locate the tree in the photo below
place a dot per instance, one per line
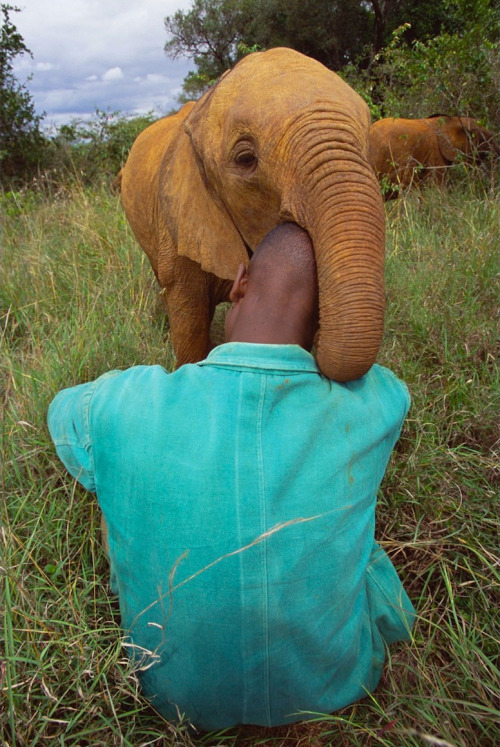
(433, 39)
(209, 33)
(335, 33)
(454, 72)
(217, 33)
(430, 18)
(20, 138)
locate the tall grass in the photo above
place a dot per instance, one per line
(77, 299)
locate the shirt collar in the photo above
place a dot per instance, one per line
(262, 357)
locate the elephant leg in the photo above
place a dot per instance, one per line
(221, 291)
(440, 176)
(434, 175)
(190, 320)
(191, 296)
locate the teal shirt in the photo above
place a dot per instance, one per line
(239, 495)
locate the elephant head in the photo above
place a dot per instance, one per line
(278, 138)
(462, 136)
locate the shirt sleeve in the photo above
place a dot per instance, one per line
(69, 426)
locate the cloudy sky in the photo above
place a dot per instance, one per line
(98, 54)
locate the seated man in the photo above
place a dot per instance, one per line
(239, 495)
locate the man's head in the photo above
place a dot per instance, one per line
(275, 300)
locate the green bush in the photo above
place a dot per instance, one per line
(448, 74)
(92, 150)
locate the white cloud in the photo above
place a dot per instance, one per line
(156, 78)
(114, 73)
(43, 67)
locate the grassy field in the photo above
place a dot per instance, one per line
(78, 298)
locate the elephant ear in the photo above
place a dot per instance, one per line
(447, 150)
(196, 218)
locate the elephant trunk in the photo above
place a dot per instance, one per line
(340, 205)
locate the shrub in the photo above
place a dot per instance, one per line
(95, 149)
(449, 74)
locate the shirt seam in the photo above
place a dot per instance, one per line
(240, 541)
(272, 368)
(86, 405)
(399, 611)
(265, 590)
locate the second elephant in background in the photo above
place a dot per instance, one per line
(403, 152)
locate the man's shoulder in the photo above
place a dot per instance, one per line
(381, 374)
(377, 397)
(140, 375)
(382, 384)
(134, 382)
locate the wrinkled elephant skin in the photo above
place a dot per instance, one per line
(407, 151)
(278, 138)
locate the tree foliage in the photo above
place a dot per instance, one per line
(21, 141)
(335, 33)
(452, 73)
(406, 57)
(215, 33)
(209, 33)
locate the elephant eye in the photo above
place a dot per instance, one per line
(245, 159)
(244, 155)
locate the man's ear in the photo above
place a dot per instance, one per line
(240, 284)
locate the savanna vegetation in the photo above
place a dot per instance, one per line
(78, 297)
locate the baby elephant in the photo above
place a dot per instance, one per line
(406, 151)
